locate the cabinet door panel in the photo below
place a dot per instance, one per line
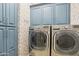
(61, 16)
(47, 19)
(8, 13)
(11, 14)
(2, 38)
(11, 39)
(36, 16)
(3, 11)
(2, 14)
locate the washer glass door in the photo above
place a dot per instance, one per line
(39, 40)
(66, 42)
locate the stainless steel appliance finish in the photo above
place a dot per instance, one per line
(65, 40)
(39, 41)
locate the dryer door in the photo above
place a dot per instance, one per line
(66, 42)
(39, 40)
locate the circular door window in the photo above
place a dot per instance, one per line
(39, 40)
(66, 42)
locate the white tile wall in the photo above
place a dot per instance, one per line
(74, 13)
(24, 14)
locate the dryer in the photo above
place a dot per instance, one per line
(65, 40)
(39, 41)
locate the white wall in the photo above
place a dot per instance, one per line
(74, 13)
(24, 21)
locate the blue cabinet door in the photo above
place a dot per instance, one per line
(47, 14)
(2, 14)
(2, 41)
(61, 14)
(36, 16)
(8, 35)
(11, 41)
(11, 14)
(1, 21)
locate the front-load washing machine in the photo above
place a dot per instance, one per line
(65, 40)
(39, 41)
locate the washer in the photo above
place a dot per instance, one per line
(39, 41)
(65, 40)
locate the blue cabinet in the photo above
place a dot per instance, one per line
(50, 14)
(2, 40)
(61, 14)
(1, 21)
(47, 14)
(36, 16)
(8, 41)
(8, 29)
(11, 14)
(8, 14)
(11, 41)
(2, 14)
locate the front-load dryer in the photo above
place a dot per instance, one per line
(65, 40)
(39, 41)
